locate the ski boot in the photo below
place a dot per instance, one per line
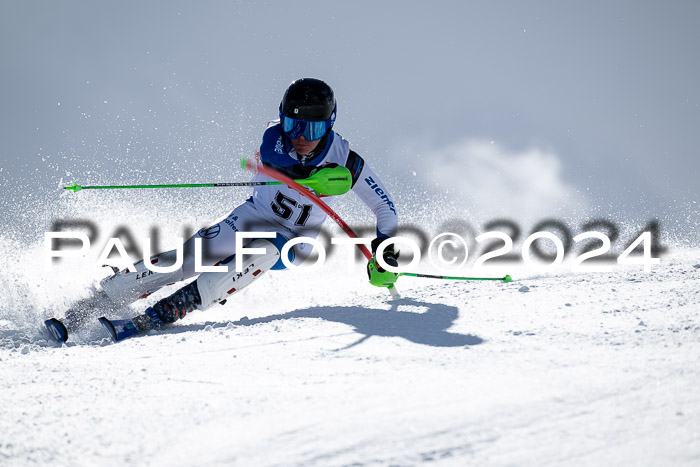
(166, 311)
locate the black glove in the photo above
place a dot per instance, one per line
(390, 254)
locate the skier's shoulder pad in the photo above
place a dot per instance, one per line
(354, 164)
(272, 150)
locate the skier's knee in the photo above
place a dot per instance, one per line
(127, 286)
(214, 287)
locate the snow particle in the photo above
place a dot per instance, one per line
(524, 289)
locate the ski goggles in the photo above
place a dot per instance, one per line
(311, 131)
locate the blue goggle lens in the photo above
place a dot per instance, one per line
(311, 130)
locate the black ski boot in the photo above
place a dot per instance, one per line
(166, 311)
(174, 307)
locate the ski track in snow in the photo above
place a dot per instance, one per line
(574, 369)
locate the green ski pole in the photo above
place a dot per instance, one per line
(327, 181)
(77, 187)
(506, 278)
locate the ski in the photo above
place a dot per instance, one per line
(120, 329)
(57, 330)
(80, 313)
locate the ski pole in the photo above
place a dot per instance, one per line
(506, 278)
(77, 187)
(329, 181)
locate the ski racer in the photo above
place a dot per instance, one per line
(300, 143)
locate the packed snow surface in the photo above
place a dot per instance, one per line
(322, 369)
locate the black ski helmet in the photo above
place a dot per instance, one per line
(308, 99)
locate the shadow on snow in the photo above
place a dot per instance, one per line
(427, 328)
